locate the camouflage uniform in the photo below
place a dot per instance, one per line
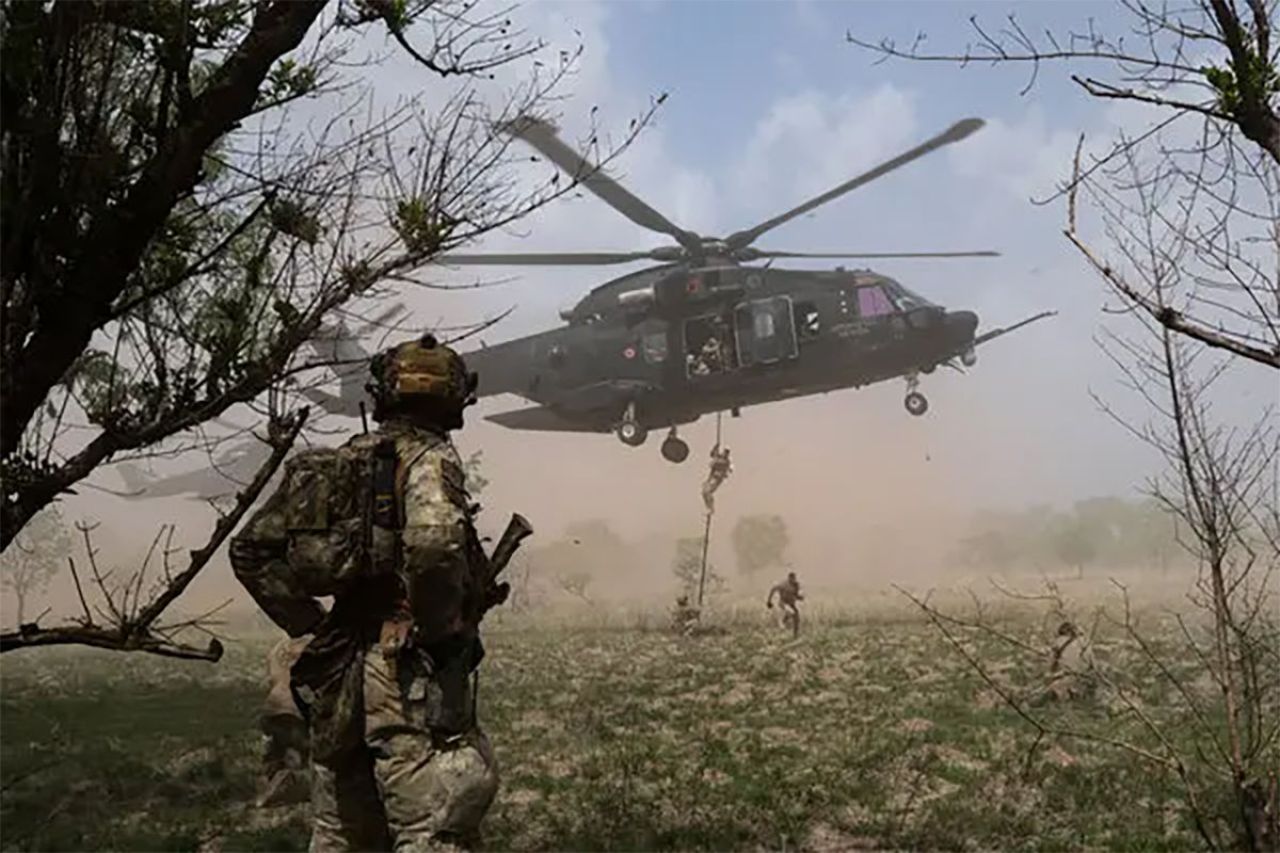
(398, 761)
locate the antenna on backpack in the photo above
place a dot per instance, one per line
(364, 421)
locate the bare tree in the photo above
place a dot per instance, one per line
(35, 558)
(1221, 483)
(1189, 209)
(759, 542)
(575, 582)
(175, 228)
(686, 566)
(1218, 131)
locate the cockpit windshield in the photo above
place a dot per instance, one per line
(904, 299)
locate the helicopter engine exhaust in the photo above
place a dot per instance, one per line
(638, 297)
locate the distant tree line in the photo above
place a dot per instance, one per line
(1104, 531)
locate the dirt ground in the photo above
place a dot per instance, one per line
(868, 731)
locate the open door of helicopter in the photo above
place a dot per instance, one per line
(766, 331)
(710, 346)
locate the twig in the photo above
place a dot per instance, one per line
(75, 576)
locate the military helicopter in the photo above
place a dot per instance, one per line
(703, 333)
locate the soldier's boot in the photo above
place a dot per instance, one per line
(286, 776)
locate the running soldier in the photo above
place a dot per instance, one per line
(788, 592)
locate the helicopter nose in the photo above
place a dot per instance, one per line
(965, 324)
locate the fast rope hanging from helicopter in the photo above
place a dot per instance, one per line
(720, 469)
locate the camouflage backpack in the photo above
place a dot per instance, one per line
(341, 513)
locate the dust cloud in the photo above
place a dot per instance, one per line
(870, 496)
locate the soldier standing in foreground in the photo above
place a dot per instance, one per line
(788, 592)
(384, 525)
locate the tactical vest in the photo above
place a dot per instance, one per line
(342, 514)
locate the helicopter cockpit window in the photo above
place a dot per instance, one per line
(654, 345)
(808, 324)
(872, 302)
(905, 299)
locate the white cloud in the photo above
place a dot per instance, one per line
(1025, 157)
(808, 142)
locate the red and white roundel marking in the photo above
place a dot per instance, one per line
(629, 352)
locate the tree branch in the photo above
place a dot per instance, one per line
(1172, 319)
(139, 632)
(105, 638)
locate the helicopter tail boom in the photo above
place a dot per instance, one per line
(504, 368)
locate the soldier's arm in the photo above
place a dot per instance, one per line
(257, 555)
(772, 592)
(437, 539)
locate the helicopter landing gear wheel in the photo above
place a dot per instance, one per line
(630, 432)
(674, 449)
(916, 403)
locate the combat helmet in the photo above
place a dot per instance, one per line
(422, 380)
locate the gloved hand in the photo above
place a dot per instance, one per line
(497, 594)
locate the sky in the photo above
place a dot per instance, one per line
(768, 104)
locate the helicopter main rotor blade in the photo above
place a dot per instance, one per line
(542, 136)
(957, 131)
(749, 254)
(543, 259)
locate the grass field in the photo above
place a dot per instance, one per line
(866, 732)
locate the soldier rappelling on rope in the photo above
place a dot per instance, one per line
(721, 467)
(720, 470)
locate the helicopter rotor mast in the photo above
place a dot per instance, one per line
(542, 136)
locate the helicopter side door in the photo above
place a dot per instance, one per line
(709, 346)
(766, 331)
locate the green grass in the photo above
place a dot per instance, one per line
(862, 733)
